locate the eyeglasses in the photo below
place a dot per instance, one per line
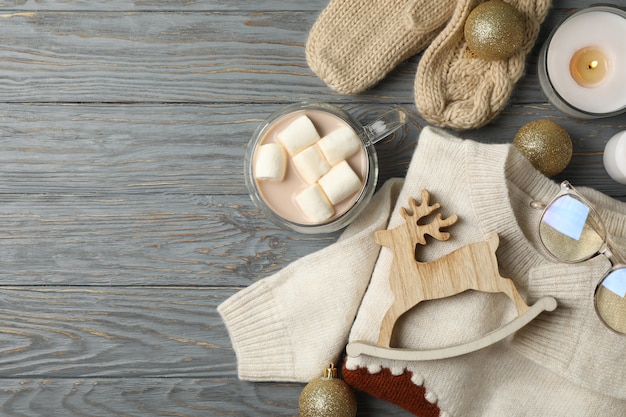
(571, 231)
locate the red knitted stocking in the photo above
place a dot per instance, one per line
(398, 390)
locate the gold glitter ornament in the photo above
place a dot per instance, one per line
(494, 30)
(546, 144)
(327, 396)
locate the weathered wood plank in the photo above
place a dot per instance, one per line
(154, 57)
(143, 240)
(71, 351)
(135, 149)
(104, 150)
(162, 5)
(193, 5)
(90, 150)
(108, 332)
(149, 397)
(181, 57)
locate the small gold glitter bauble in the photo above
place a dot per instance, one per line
(327, 396)
(546, 144)
(494, 30)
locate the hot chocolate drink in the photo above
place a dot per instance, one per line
(315, 169)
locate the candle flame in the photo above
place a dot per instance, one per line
(593, 64)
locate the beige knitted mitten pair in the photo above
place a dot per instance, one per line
(355, 43)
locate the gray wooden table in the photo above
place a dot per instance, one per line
(124, 218)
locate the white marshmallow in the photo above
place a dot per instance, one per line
(339, 144)
(310, 164)
(270, 162)
(340, 182)
(314, 204)
(298, 135)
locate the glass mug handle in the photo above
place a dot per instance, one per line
(386, 124)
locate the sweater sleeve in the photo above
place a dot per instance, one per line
(287, 327)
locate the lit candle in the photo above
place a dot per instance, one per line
(615, 157)
(582, 67)
(589, 67)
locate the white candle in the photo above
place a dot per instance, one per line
(615, 157)
(584, 67)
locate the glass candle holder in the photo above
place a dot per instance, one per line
(582, 64)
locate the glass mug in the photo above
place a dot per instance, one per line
(329, 165)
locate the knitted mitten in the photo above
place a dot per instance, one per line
(355, 43)
(455, 90)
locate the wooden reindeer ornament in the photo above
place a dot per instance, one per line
(471, 267)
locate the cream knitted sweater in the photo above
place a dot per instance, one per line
(565, 363)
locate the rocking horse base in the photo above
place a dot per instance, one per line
(357, 348)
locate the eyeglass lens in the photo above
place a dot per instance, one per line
(573, 232)
(570, 230)
(611, 301)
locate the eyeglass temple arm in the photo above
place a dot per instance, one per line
(538, 205)
(614, 257)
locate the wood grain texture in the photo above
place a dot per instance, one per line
(197, 5)
(143, 240)
(147, 331)
(146, 397)
(162, 5)
(124, 217)
(155, 57)
(132, 351)
(149, 397)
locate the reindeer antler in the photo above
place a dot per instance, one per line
(420, 210)
(433, 228)
(423, 209)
